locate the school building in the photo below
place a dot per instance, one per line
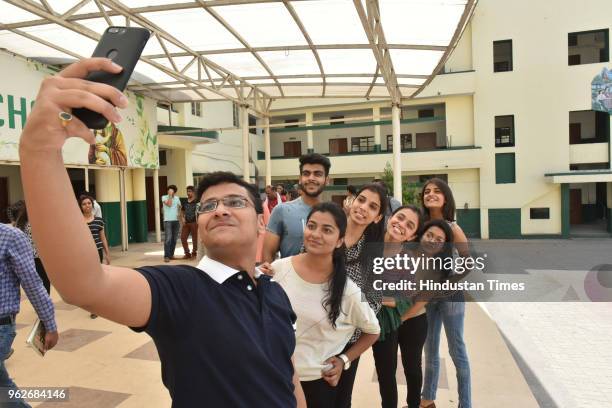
(508, 119)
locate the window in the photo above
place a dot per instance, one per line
(406, 142)
(252, 123)
(162, 157)
(236, 115)
(504, 131)
(502, 56)
(426, 113)
(196, 109)
(291, 121)
(588, 47)
(539, 213)
(336, 121)
(340, 181)
(504, 168)
(362, 144)
(425, 177)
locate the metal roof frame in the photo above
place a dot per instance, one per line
(215, 81)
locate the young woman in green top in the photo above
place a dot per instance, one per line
(402, 322)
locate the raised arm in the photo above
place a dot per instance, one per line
(64, 243)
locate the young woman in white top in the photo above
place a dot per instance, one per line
(328, 306)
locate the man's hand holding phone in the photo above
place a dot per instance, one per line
(62, 93)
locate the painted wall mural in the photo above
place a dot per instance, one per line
(132, 143)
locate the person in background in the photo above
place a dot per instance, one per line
(285, 231)
(171, 206)
(397, 330)
(364, 235)
(190, 225)
(439, 204)
(97, 209)
(280, 190)
(17, 269)
(348, 200)
(22, 223)
(272, 198)
(328, 306)
(96, 227)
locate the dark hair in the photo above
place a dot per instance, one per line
(84, 197)
(20, 214)
(443, 225)
(374, 235)
(375, 232)
(315, 158)
(448, 209)
(420, 217)
(333, 299)
(294, 194)
(190, 188)
(225, 177)
(172, 186)
(447, 249)
(351, 189)
(88, 193)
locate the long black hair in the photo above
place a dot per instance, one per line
(448, 209)
(375, 232)
(333, 298)
(374, 237)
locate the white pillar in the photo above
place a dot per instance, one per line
(246, 173)
(156, 198)
(86, 179)
(123, 208)
(397, 153)
(268, 151)
(376, 118)
(309, 136)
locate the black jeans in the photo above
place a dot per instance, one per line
(345, 385)
(319, 394)
(410, 337)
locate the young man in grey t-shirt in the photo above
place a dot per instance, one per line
(285, 230)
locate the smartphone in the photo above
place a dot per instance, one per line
(123, 45)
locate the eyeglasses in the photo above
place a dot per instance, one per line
(234, 202)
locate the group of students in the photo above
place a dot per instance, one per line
(326, 271)
(227, 334)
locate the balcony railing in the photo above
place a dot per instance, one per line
(408, 151)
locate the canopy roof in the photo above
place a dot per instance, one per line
(253, 50)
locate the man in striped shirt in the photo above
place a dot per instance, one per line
(17, 268)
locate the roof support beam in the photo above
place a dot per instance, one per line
(370, 20)
(244, 42)
(311, 45)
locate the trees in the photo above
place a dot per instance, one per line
(410, 191)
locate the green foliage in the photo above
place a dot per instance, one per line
(410, 191)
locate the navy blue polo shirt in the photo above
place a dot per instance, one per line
(222, 340)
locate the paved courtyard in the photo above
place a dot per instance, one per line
(564, 349)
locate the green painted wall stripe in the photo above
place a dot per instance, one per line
(504, 223)
(197, 132)
(111, 214)
(354, 124)
(610, 220)
(469, 221)
(137, 221)
(565, 210)
(441, 149)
